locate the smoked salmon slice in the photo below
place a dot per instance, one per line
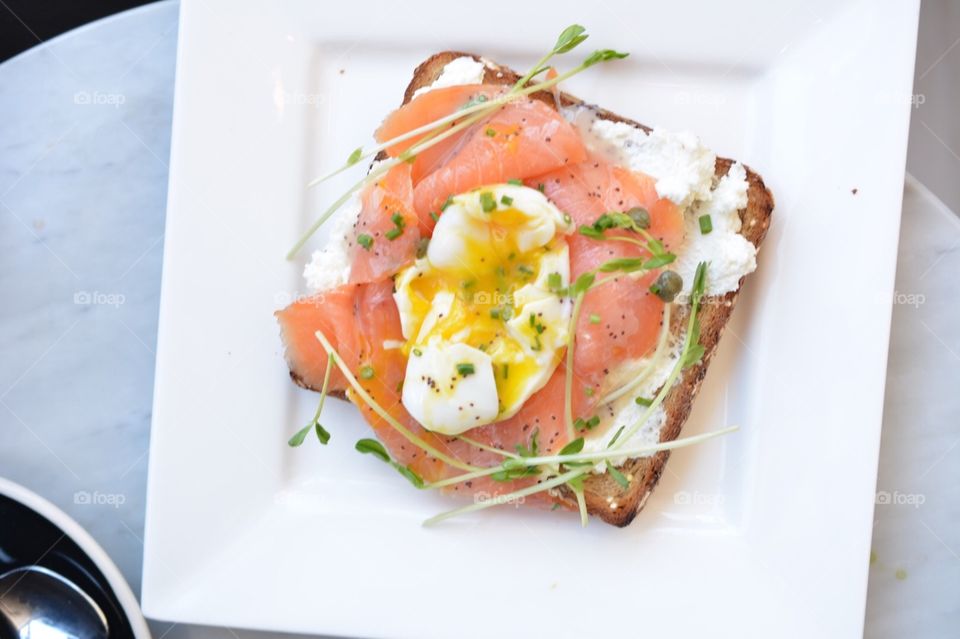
(621, 319)
(386, 232)
(426, 108)
(522, 139)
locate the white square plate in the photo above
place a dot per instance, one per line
(763, 533)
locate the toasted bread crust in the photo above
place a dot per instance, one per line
(601, 491)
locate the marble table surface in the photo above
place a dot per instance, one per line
(84, 142)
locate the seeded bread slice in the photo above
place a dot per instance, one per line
(604, 496)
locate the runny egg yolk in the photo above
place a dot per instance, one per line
(483, 315)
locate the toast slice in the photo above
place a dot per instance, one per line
(604, 496)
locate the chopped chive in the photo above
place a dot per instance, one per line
(465, 368)
(594, 318)
(398, 220)
(417, 352)
(366, 372)
(541, 187)
(506, 371)
(506, 200)
(422, 245)
(515, 182)
(487, 201)
(468, 284)
(706, 224)
(393, 233)
(537, 345)
(434, 216)
(643, 401)
(365, 241)
(533, 319)
(554, 282)
(526, 270)
(491, 132)
(588, 391)
(495, 313)
(446, 203)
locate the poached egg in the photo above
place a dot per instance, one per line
(483, 313)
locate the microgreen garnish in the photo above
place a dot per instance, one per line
(487, 202)
(366, 372)
(355, 156)
(533, 448)
(513, 468)
(573, 447)
(625, 264)
(375, 448)
(659, 260)
(706, 224)
(574, 476)
(372, 447)
(321, 432)
(616, 436)
(618, 476)
(300, 435)
(582, 283)
(465, 368)
(365, 241)
(506, 200)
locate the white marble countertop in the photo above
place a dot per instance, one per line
(84, 142)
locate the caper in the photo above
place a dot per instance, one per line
(422, 245)
(640, 217)
(667, 286)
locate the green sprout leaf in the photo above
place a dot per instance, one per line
(322, 434)
(300, 435)
(618, 476)
(569, 38)
(355, 156)
(603, 55)
(372, 447)
(659, 260)
(573, 447)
